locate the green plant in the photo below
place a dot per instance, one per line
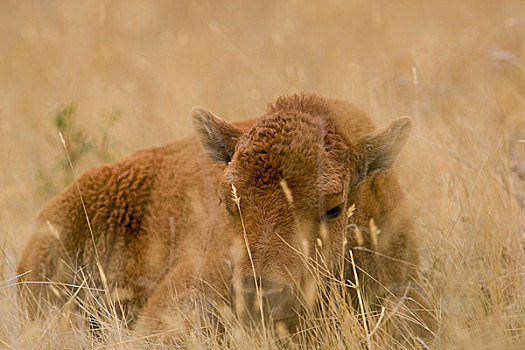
(81, 144)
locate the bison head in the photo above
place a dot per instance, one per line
(287, 185)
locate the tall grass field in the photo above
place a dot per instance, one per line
(113, 77)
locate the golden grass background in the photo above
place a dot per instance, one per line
(456, 67)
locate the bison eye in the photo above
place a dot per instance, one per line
(228, 209)
(333, 213)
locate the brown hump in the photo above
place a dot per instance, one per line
(351, 122)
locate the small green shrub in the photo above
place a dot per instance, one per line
(80, 143)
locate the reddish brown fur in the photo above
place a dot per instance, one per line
(162, 230)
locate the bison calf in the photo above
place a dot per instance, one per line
(236, 215)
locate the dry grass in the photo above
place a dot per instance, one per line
(457, 67)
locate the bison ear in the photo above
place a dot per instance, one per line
(377, 151)
(217, 136)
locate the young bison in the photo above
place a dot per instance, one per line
(236, 214)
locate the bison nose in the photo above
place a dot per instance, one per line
(266, 300)
(271, 293)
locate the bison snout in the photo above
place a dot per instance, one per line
(267, 301)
